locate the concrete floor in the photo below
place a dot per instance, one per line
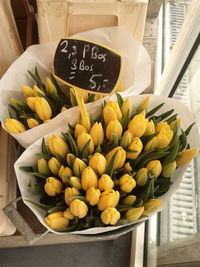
(114, 253)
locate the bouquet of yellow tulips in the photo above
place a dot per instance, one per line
(111, 174)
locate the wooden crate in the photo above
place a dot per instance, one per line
(58, 19)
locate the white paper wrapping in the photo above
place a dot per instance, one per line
(136, 74)
(28, 158)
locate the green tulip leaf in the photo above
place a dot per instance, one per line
(121, 222)
(110, 165)
(119, 100)
(115, 140)
(154, 110)
(91, 98)
(164, 185)
(187, 131)
(26, 168)
(44, 148)
(73, 99)
(61, 159)
(183, 140)
(165, 115)
(39, 175)
(43, 156)
(72, 144)
(39, 205)
(54, 209)
(12, 112)
(172, 155)
(82, 198)
(85, 151)
(172, 118)
(125, 120)
(138, 204)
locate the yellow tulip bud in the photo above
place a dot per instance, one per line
(175, 123)
(110, 216)
(70, 159)
(108, 199)
(98, 163)
(136, 146)
(185, 157)
(120, 157)
(164, 137)
(78, 166)
(67, 214)
(46, 121)
(105, 182)
(150, 128)
(89, 179)
(127, 183)
(138, 125)
(43, 167)
(70, 192)
(54, 165)
(63, 109)
(126, 106)
(97, 134)
(151, 205)
(53, 186)
(64, 173)
(153, 143)
(134, 214)
(126, 139)
(113, 127)
(42, 108)
(57, 146)
(14, 126)
(169, 169)
(32, 123)
(143, 105)
(162, 125)
(28, 91)
(82, 140)
(154, 167)
(31, 102)
(57, 221)
(78, 208)
(127, 167)
(37, 91)
(50, 88)
(120, 87)
(79, 129)
(111, 112)
(75, 182)
(129, 200)
(141, 177)
(92, 196)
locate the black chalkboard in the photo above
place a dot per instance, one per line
(87, 65)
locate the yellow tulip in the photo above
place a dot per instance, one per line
(127, 183)
(98, 163)
(138, 125)
(27, 91)
(108, 199)
(92, 196)
(136, 146)
(126, 139)
(32, 123)
(75, 182)
(42, 108)
(70, 192)
(111, 112)
(97, 134)
(43, 166)
(57, 221)
(54, 165)
(113, 127)
(63, 109)
(141, 176)
(105, 182)
(70, 159)
(78, 208)
(143, 105)
(153, 143)
(53, 186)
(82, 140)
(185, 157)
(126, 106)
(134, 214)
(127, 167)
(162, 125)
(164, 137)
(78, 167)
(120, 157)
(57, 146)
(14, 126)
(169, 169)
(37, 91)
(88, 179)
(151, 205)
(129, 200)
(150, 128)
(67, 214)
(79, 129)
(31, 102)
(64, 172)
(50, 88)
(154, 167)
(110, 216)
(120, 87)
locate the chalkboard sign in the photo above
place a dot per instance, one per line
(87, 65)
